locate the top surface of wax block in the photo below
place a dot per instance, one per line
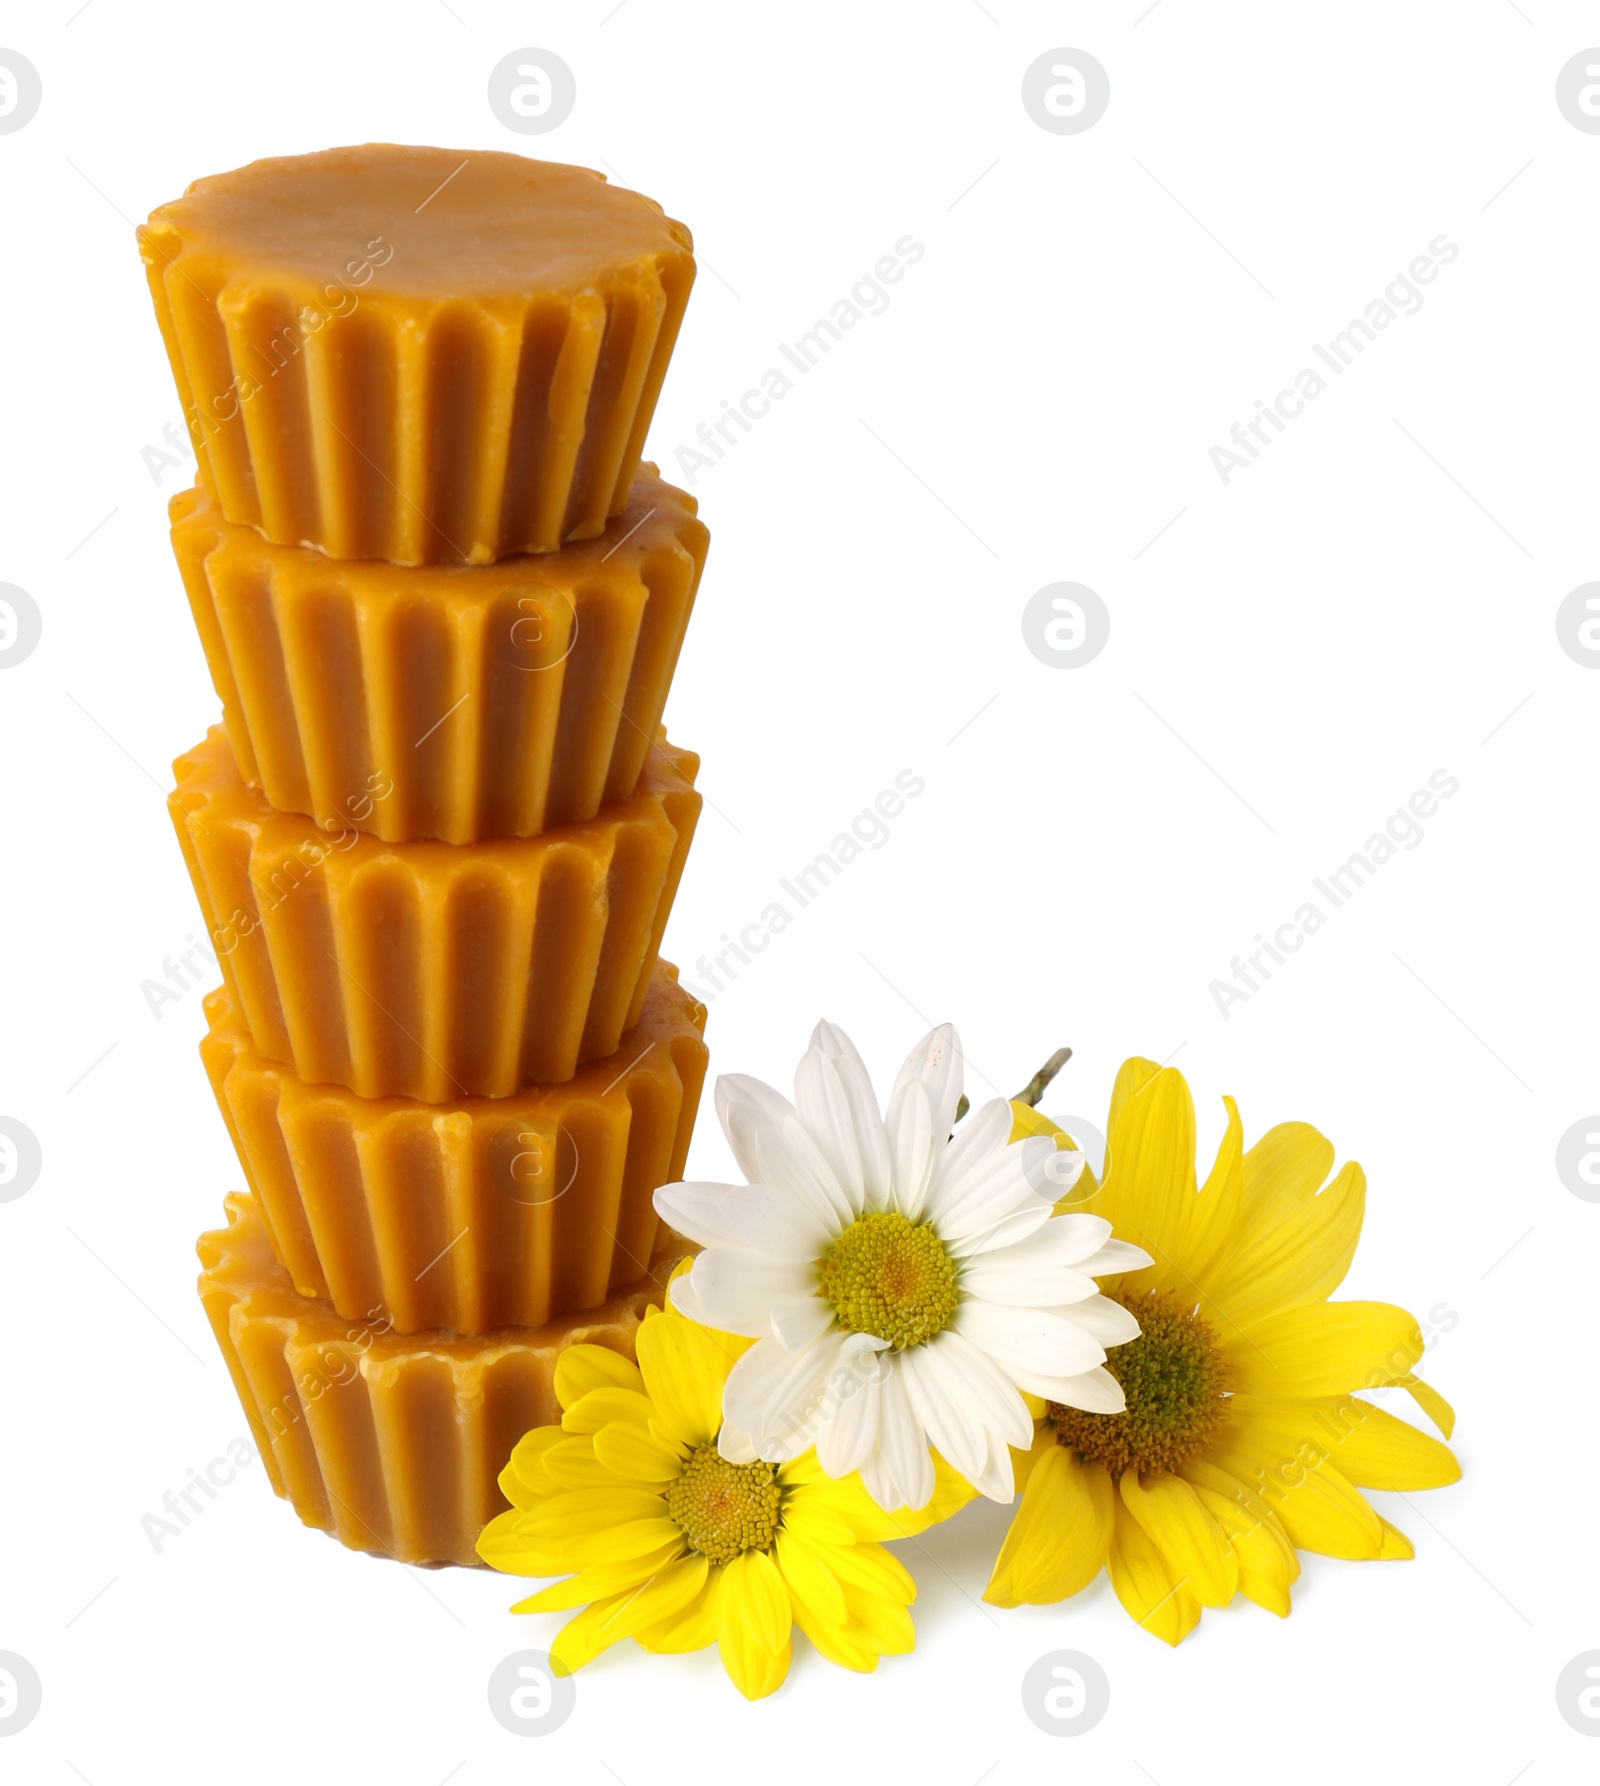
(461, 224)
(425, 356)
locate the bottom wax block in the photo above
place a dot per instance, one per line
(482, 1213)
(391, 1443)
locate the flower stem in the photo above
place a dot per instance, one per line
(1036, 1086)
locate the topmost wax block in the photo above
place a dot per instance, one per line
(423, 355)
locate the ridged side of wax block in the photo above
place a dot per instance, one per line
(432, 970)
(393, 1444)
(444, 702)
(473, 1215)
(437, 430)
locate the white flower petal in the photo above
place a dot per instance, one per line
(898, 1472)
(1096, 1391)
(1021, 1283)
(990, 1187)
(988, 1390)
(996, 1481)
(1028, 1339)
(777, 1395)
(1064, 1240)
(777, 1223)
(680, 1293)
(835, 1101)
(1108, 1321)
(935, 1065)
(912, 1149)
(738, 1289)
(1062, 1170)
(791, 1160)
(696, 1211)
(735, 1446)
(851, 1427)
(797, 1323)
(974, 1148)
(938, 1400)
(1007, 1232)
(1115, 1257)
(745, 1107)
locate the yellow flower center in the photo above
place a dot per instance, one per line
(723, 1508)
(890, 1277)
(1176, 1386)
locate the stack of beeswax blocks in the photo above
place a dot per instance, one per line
(438, 834)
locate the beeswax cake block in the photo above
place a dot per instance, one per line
(434, 970)
(444, 701)
(393, 1444)
(476, 1214)
(431, 356)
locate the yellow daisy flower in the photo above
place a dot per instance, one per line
(1244, 1438)
(676, 1547)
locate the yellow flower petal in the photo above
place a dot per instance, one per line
(1368, 1446)
(836, 1642)
(590, 1510)
(582, 1368)
(684, 1370)
(1144, 1584)
(629, 1538)
(1265, 1590)
(1301, 1257)
(883, 1625)
(1326, 1349)
(573, 1464)
(1240, 1510)
(1431, 1402)
(871, 1568)
(809, 1578)
(599, 1407)
(1396, 1545)
(1133, 1076)
(524, 1478)
(692, 1627)
(609, 1621)
(1044, 1442)
(601, 1581)
(1058, 1541)
(1149, 1186)
(1318, 1508)
(1189, 1539)
(1285, 1168)
(837, 1509)
(636, 1453)
(505, 1545)
(817, 1519)
(1209, 1232)
(753, 1622)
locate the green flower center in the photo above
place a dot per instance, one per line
(723, 1508)
(890, 1277)
(1176, 1386)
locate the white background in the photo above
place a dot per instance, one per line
(1288, 661)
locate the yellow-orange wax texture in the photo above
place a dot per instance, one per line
(434, 970)
(417, 354)
(392, 1443)
(449, 701)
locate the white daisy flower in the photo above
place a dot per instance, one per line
(902, 1287)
